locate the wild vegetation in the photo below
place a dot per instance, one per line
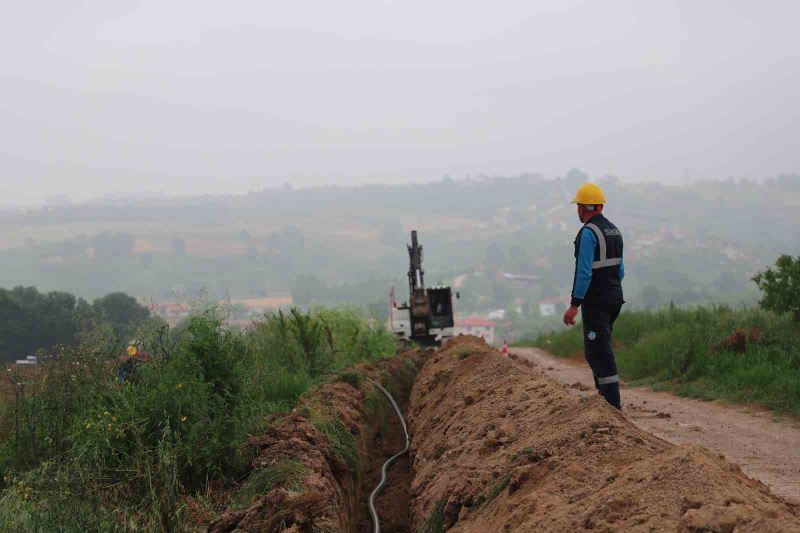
(717, 352)
(80, 452)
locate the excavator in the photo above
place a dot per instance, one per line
(427, 317)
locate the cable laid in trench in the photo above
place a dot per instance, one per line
(376, 523)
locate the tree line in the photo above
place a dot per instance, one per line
(33, 322)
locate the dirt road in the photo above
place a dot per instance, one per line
(766, 449)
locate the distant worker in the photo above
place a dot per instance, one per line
(129, 363)
(597, 288)
(126, 370)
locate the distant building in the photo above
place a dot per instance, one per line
(480, 327)
(497, 314)
(29, 360)
(524, 280)
(553, 306)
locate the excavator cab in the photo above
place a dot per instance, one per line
(441, 303)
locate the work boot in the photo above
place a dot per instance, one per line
(611, 394)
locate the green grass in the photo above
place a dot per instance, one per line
(524, 452)
(673, 349)
(498, 487)
(341, 440)
(464, 351)
(351, 377)
(287, 474)
(435, 521)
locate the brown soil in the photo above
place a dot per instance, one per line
(501, 447)
(394, 501)
(740, 339)
(766, 448)
(329, 495)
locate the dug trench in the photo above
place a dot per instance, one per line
(315, 467)
(498, 446)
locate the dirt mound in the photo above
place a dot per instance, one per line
(307, 475)
(497, 446)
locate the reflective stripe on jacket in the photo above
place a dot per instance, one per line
(599, 267)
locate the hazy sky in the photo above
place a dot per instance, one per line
(98, 97)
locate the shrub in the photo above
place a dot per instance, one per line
(781, 287)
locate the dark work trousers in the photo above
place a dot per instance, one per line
(598, 323)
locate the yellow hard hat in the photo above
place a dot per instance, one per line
(132, 350)
(589, 194)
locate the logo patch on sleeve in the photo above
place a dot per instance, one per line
(592, 335)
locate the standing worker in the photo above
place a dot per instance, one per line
(597, 288)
